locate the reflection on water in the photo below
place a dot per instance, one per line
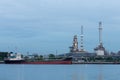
(59, 72)
(75, 76)
(82, 76)
(79, 75)
(100, 72)
(100, 76)
(20, 71)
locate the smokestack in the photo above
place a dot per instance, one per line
(100, 50)
(100, 33)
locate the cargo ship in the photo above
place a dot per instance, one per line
(17, 59)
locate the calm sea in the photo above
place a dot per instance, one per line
(59, 72)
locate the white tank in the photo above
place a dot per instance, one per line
(100, 52)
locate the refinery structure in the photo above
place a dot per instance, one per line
(74, 48)
(99, 50)
(80, 54)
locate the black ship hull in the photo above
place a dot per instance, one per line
(13, 61)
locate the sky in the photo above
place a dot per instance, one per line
(47, 26)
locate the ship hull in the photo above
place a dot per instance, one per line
(48, 62)
(37, 62)
(64, 61)
(13, 61)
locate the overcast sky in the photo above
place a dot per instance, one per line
(44, 26)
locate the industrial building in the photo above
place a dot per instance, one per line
(81, 55)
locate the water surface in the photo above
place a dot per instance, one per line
(59, 72)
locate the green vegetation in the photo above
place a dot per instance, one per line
(51, 56)
(3, 55)
(38, 57)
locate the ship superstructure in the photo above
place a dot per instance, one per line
(14, 58)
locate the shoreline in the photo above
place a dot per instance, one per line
(97, 63)
(2, 62)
